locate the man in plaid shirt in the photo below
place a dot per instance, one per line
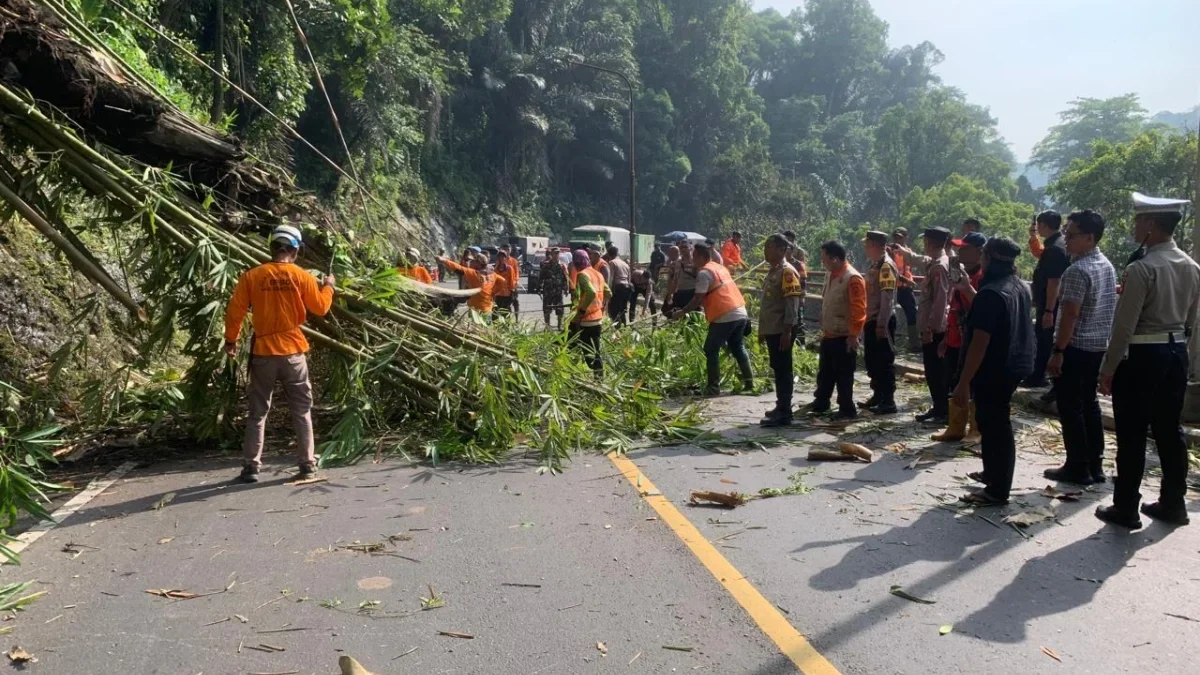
(1087, 303)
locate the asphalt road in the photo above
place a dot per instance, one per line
(540, 568)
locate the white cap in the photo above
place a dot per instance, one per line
(413, 253)
(1144, 204)
(288, 235)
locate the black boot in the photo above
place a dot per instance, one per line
(871, 402)
(1070, 473)
(1171, 515)
(884, 408)
(249, 474)
(1116, 516)
(1096, 468)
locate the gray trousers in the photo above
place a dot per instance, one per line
(292, 372)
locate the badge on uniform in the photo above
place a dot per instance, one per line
(887, 278)
(791, 284)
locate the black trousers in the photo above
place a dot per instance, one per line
(1148, 391)
(997, 444)
(587, 340)
(633, 302)
(953, 368)
(836, 369)
(621, 294)
(935, 374)
(1079, 411)
(880, 357)
(504, 305)
(682, 298)
(780, 356)
(732, 335)
(1045, 344)
(908, 302)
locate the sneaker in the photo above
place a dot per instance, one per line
(884, 409)
(249, 474)
(1115, 516)
(1069, 474)
(307, 471)
(1171, 515)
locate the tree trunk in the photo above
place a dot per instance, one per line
(218, 95)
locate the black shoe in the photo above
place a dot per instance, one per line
(934, 417)
(815, 408)
(249, 474)
(1069, 474)
(1099, 478)
(1030, 383)
(1111, 514)
(1097, 471)
(776, 412)
(1049, 397)
(869, 403)
(846, 415)
(1171, 515)
(307, 471)
(772, 422)
(976, 476)
(884, 409)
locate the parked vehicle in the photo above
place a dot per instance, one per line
(637, 254)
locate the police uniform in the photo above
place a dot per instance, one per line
(879, 354)
(1147, 361)
(782, 296)
(932, 315)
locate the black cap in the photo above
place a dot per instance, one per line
(876, 236)
(939, 234)
(1002, 249)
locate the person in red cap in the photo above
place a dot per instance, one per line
(964, 282)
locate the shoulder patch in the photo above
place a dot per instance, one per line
(791, 283)
(887, 278)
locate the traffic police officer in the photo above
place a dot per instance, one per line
(879, 335)
(1146, 366)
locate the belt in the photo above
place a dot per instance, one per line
(1158, 338)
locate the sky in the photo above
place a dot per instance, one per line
(1027, 59)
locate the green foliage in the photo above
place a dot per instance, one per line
(1117, 120)
(28, 438)
(1156, 162)
(950, 202)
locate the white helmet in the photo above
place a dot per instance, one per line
(413, 254)
(288, 235)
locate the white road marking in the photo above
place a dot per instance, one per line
(24, 540)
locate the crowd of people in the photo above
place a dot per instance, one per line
(982, 332)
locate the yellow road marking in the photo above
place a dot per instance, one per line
(767, 616)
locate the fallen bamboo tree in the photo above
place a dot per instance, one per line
(398, 375)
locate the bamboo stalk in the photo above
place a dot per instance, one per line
(78, 260)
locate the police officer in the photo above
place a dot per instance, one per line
(1145, 368)
(879, 335)
(781, 298)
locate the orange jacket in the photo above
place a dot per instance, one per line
(279, 294)
(484, 281)
(416, 273)
(595, 310)
(723, 295)
(731, 253)
(507, 280)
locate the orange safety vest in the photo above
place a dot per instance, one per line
(486, 283)
(594, 311)
(723, 295)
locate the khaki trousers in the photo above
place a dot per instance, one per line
(292, 372)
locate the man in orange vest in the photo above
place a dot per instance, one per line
(279, 293)
(843, 316)
(507, 278)
(410, 266)
(728, 322)
(731, 252)
(588, 315)
(476, 275)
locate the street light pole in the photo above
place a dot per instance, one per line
(632, 147)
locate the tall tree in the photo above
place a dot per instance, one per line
(1088, 120)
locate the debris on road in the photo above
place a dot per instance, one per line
(350, 666)
(899, 592)
(434, 601)
(602, 648)
(166, 499)
(855, 450)
(797, 486)
(728, 500)
(374, 583)
(172, 593)
(1030, 517)
(512, 585)
(1054, 493)
(456, 634)
(676, 648)
(946, 629)
(829, 456)
(1050, 652)
(18, 655)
